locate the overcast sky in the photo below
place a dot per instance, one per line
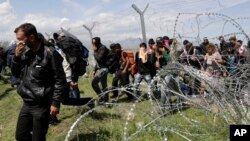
(116, 20)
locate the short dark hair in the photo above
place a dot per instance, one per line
(55, 36)
(151, 41)
(143, 45)
(28, 29)
(165, 38)
(118, 45)
(185, 42)
(112, 46)
(96, 41)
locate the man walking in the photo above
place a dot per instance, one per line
(42, 83)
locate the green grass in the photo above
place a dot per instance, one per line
(108, 123)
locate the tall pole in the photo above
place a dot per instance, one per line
(89, 30)
(141, 13)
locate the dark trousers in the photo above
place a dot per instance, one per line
(32, 124)
(101, 77)
(123, 79)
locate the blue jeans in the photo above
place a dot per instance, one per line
(75, 93)
(138, 78)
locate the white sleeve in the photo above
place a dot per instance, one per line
(67, 69)
(66, 65)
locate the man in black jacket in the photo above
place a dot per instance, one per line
(101, 70)
(42, 83)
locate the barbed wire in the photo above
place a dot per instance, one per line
(225, 99)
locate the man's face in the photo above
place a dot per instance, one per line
(233, 42)
(21, 37)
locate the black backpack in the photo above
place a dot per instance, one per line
(76, 53)
(112, 61)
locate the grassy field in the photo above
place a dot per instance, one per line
(111, 123)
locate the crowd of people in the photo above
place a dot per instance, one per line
(46, 76)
